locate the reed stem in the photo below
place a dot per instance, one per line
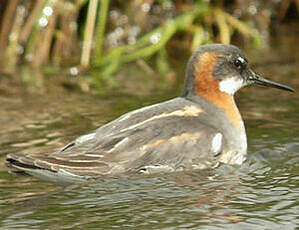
(88, 32)
(6, 24)
(100, 31)
(28, 26)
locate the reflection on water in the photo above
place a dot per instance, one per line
(262, 192)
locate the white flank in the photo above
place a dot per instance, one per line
(238, 159)
(217, 143)
(231, 85)
(243, 138)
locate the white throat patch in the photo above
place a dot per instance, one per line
(231, 85)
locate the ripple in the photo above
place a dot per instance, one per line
(30, 143)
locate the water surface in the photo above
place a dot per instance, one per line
(263, 193)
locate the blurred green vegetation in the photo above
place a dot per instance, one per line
(105, 34)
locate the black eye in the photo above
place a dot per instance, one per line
(239, 62)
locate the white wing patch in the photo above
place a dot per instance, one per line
(217, 143)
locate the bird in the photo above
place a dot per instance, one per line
(200, 129)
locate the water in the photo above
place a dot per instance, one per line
(263, 193)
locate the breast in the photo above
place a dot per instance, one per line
(236, 149)
(228, 122)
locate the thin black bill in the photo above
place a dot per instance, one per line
(262, 81)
